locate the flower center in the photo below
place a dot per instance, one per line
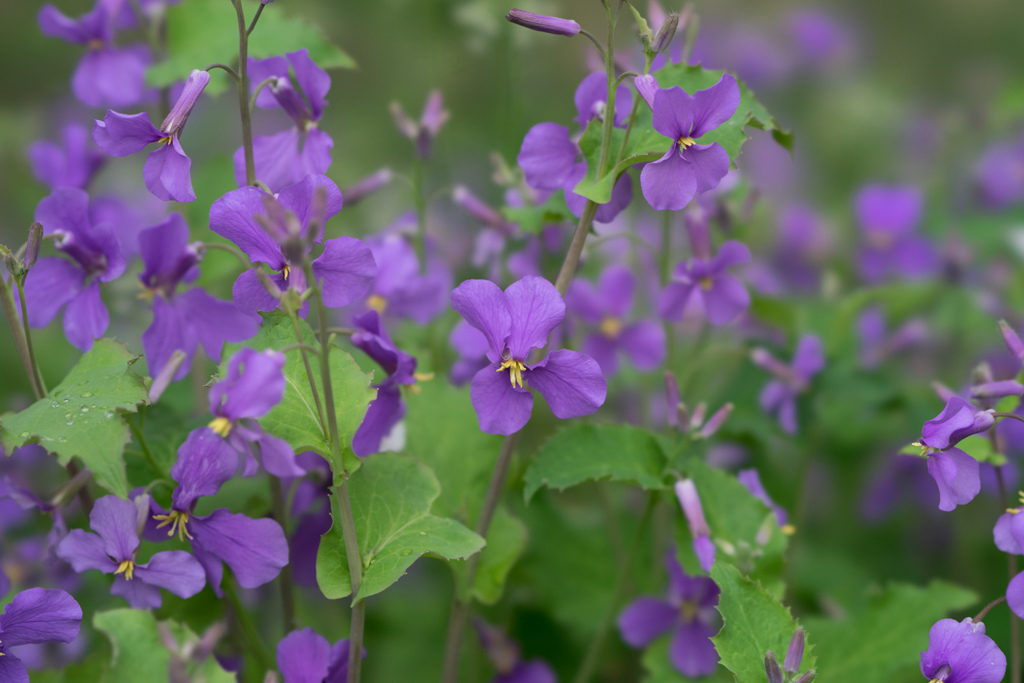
(96, 44)
(942, 674)
(377, 303)
(686, 142)
(515, 371)
(689, 611)
(178, 522)
(128, 566)
(611, 327)
(880, 240)
(706, 283)
(165, 140)
(221, 425)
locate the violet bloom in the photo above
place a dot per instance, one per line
(703, 548)
(960, 652)
(688, 611)
(36, 615)
(516, 322)
(117, 523)
(166, 171)
(399, 290)
(388, 409)
(422, 133)
(96, 256)
(276, 230)
(888, 216)
(876, 345)
(181, 321)
(472, 347)
(506, 656)
(956, 473)
(723, 296)
(818, 36)
(1000, 174)
(72, 165)
(778, 398)
(106, 75)
(286, 158)
(307, 657)
(688, 168)
(605, 306)
(254, 549)
(957, 421)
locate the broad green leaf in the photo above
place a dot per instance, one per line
(391, 496)
(81, 416)
(135, 641)
(980, 448)
(754, 622)
(204, 32)
(296, 419)
(889, 633)
(506, 540)
(584, 452)
(532, 219)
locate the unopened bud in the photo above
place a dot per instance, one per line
(772, 668)
(1013, 342)
(543, 23)
(697, 419)
(35, 238)
(194, 86)
(647, 86)
(166, 375)
(663, 38)
(807, 677)
(795, 652)
(471, 203)
(1006, 387)
(405, 125)
(141, 512)
(366, 186)
(268, 284)
(716, 421)
(12, 263)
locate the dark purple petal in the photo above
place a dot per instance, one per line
(112, 76)
(571, 382)
(345, 270)
(692, 653)
(725, 300)
(422, 298)
(644, 343)
(963, 646)
(231, 217)
(645, 619)
(166, 173)
(164, 252)
(116, 521)
(673, 113)
(278, 458)
(485, 307)
(251, 296)
(303, 657)
(74, 165)
(547, 156)
(169, 332)
(500, 407)
(383, 413)
(173, 570)
(215, 322)
(914, 258)
(668, 183)
(672, 300)
(86, 317)
(85, 551)
(40, 615)
(122, 134)
(205, 462)
(1015, 601)
(714, 106)
(957, 421)
(50, 284)
(337, 672)
(536, 308)
(314, 81)
(709, 164)
(299, 199)
(956, 474)
(255, 549)
(704, 549)
(622, 195)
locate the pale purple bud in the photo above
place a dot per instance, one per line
(807, 677)
(471, 203)
(795, 652)
(166, 375)
(697, 419)
(772, 668)
(434, 114)
(366, 186)
(142, 512)
(647, 86)
(1000, 389)
(666, 33)
(405, 125)
(268, 284)
(1013, 342)
(194, 86)
(942, 391)
(716, 421)
(543, 23)
(686, 492)
(35, 239)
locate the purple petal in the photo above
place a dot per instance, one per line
(303, 657)
(647, 86)
(892, 209)
(66, 209)
(1003, 534)
(173, 570)
(345, 270)
(260, 70)
(725, 300)
(169, 332)
(12, 670)
(215, 322)
(709, 164)
(704, 549)
(314, 81)
(278, 457)
(231, 217)
(622, 195)
(299, 199)
(591, 97)
(276, 159)
(547, 156)
(617, 284)
(139, 594)
(55, 24)
(532, 671)
(692, 652)
(571, 382)
(673, 113)
(205, 462)
(315, 157)
(500, 408)
(536, 308)
(485, 307)
(383, 413)
(122, 134)
(255, 549)
(583, 299)
(956, 475)
(112, 76)
(116, 521)
(731, 253)
(714, 106)
(166, 173)
(644, 343)
(809, 358)
(86, 318)
(603, 350)
(645, 619)
(85, 551)
(668, 183)
(50, 284)
(672, 300)
(915, 258)
(162, 248)
(253, 386)
(250, 295)
(39, 615)
(964, 647)
(468, 341)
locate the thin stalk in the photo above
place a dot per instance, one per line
(243, 92)
(231, 249)
(287, 587)
(255, 18)
(1015, 416)
(586, 669)
(1011, 570)
(68, 491)
(28, 338)
(252, 636)
(666, 270)
(7, 300)
(988, 608)
(597, 43)
(420, 242)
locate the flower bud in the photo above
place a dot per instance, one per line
(663, 38)
(672, 397)
(686, 492)
(697, 418)
(807, 677)
(35, 238)
(194, 86)
(716, 421)
(471, 203)
(1006, 387)
(1013, 342)
(795, 652)
(366, 186)
(647, 86)
(543, 23)
(12, 263)
(772, 669)
(166, 375)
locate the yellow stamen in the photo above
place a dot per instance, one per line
(221, 425)
(165, 140)
(95, 44)
(1020, 495)
(706, 283)
(686, 142)
(377, 303)
(146, 294)
(178, 522)
(423, 376)
(515, 371)
(788, 529)
(611, 327)
(286, 271)
(128, 566)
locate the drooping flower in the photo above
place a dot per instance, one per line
(280, 230)
(181, 321)
(166, 171)
(703, 548)
(956, 473)
(605, 306)
(399, 290)
(688, 168)
(307, 657)
(286, 158)
(96, 256)
(72, 165)
(515, 322)
(688, 612)
(960, 652)
(36, 615)
(957, 421)
(506, 656)
(112, 550)
(779, 396)
(888, 216)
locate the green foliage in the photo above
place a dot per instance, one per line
(295, 418)
(532, 219)
(754, 622)
(888, 633)
(204, 32)
(585, 452)
(82, 416)
(506, 540)
(391, 496)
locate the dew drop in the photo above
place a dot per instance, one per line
(87, 394)
(66, 400)
(55, 405)
(25, 435)
(108, 414)
(406, 551)
(69, 423)
(84, 409)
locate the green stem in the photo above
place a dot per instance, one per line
(287, 587)
(420, 242)
(252, 636)
(243, 92)
(666, 271)
(146, 453)
(7, 300)
(28, 337)
(255, 18)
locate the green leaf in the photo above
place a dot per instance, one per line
(135, 641)
(980, 448)
(391, 496)
(204, 32)
(889, 633)
(642, 25)
(82, 415)
(754, 622)
(295, 419)
(506, 540)
(532, 219)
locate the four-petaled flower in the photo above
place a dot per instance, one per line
(960, 652)
(888, 216)
(956, 473)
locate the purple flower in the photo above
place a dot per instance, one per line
(688, 168)
(818, 36)
(307, 657)
(399, 290)
(688, 612)
(275, 230)
(183, 321)
(387, 410)
(723, 296)
(506, 656)
(591, 99)
(876, 345)
(471, 345)
(957, 421)
(36, 615)
(431, 120)
(543, 23)
(1000, 174)
(106, 75)
(888, 216)
(751, 480)
(960, 652)
(605, 306)
(515, 322)
(72, 165)
(288, 157)
(778, 398)
(166, 172)
(117, 523)
(96, 256)
(703, 548)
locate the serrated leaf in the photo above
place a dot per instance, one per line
(81, 415)
(754, 622)
(135, 644)
(204, 32)
(391, 496)
(888, 634)
(296, 419)
(584, 452)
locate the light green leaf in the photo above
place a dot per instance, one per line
(204, 32)
(532, 219)
(980, 448)
(391, 496)
(82, 415)
(506, 540)
(888, 634)
(584, 452)
(296, 419)
(754, 622)
(135, 641)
